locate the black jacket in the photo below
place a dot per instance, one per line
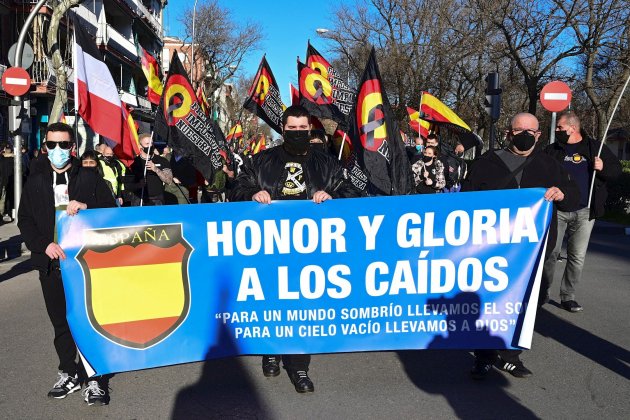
(265, 170)
(36, 215)
(612, 169)
(488, 172)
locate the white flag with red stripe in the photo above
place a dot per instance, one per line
(95, 93)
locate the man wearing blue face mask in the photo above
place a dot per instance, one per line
(60, 185)
(292, 171)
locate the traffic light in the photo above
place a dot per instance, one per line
(493, 96)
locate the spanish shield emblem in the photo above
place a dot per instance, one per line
(136, 282)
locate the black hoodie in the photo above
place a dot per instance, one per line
(36, 215)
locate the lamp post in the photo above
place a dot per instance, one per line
(321, 32)
(192, 45)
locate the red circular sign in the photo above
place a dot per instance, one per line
(16, 81)
(555, 96)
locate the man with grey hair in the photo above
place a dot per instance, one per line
(579, 156)
(520, 165)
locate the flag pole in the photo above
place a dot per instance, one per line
(144, 176)
(343, 141)
(601, 145)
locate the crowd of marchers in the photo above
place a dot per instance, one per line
(305, 167)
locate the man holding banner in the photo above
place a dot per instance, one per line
(519, 166)
(293, 171)
(61, 185)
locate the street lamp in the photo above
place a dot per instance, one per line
(321, 32)
(192, 46)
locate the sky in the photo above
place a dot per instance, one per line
(287, 26)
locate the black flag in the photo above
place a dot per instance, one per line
(264, 97)
(181, 122)
(376, 137)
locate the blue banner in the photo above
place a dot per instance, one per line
(156, 286)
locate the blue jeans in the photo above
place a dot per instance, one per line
(578, 229)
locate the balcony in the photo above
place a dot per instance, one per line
(143, 12)
(42, 73)
(109, 36)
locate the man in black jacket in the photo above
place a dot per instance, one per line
(292, 171)
(519, 166)
(579, 157)
(62, 185)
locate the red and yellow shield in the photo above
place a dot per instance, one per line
(137, 288)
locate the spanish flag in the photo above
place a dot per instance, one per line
(151, 70)
(203, 102)
(435, 112)
(340, 136)
(130, 146)
(420, 126)
(259, 145)
(235, 132)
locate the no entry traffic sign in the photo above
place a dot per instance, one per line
(16, 81)
(555, 96)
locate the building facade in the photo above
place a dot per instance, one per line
(117, 26)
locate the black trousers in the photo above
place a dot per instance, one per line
(491, 356)
(55, 299)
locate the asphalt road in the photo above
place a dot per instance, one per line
(581, 365)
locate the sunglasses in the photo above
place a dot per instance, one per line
(63, 144)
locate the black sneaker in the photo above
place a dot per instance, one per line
(572, 306)
(480, 369)
(65, 385)
(517, 369)
(301, 381)
(271, 366)
(94, 394)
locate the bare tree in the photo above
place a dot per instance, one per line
(61, 95)
(221, 43)
(535, 35)
(602, 30)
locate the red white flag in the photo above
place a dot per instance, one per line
(95, 93)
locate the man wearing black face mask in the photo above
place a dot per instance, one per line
(520, 165)
(579, 157)
(292, 171)
(319, 141)
(150, 172)
(113, 171)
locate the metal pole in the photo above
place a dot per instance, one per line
(17, 139)
(552, 129)
(192, 46)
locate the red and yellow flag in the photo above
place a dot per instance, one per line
(151, 70)
(434, 110)
(258, 145)
(235, 132)
(130, 145)
(439, 115)
(420, 126)
(340, 136)
(203, 102)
